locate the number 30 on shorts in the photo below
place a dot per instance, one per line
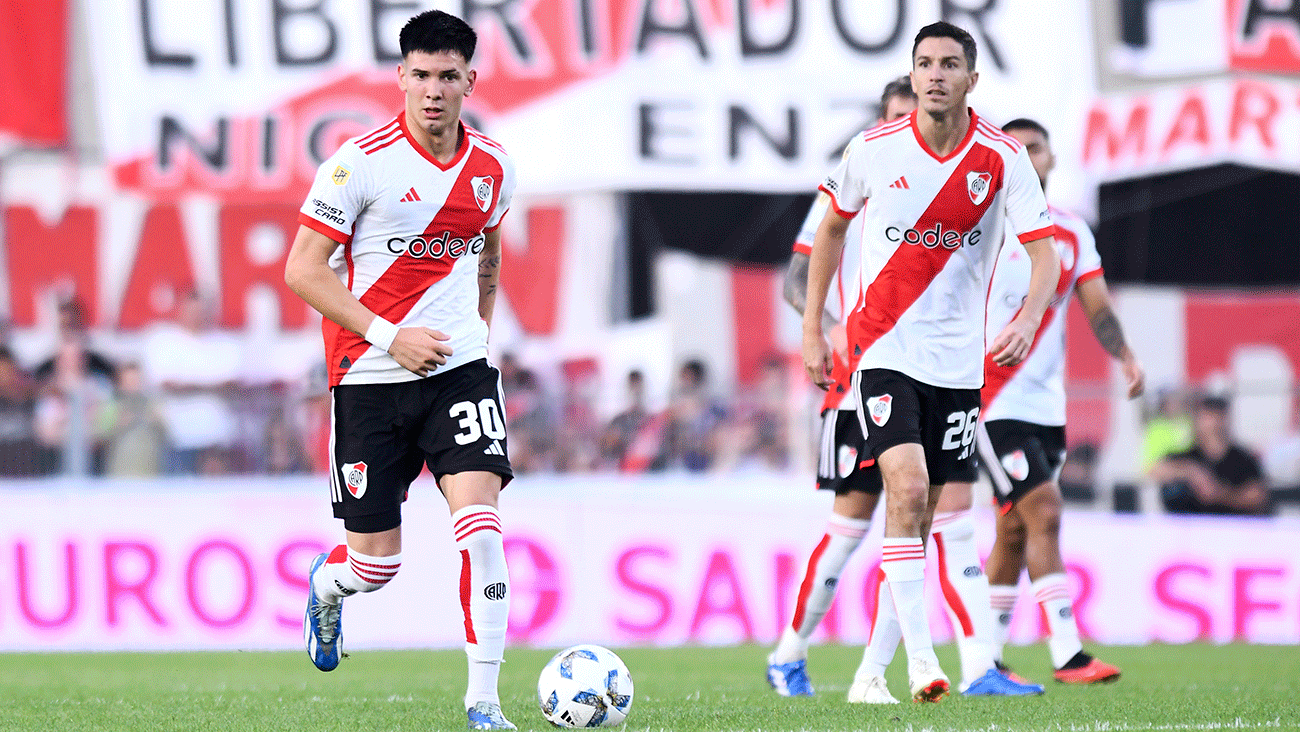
(962, 432)
(478, 420)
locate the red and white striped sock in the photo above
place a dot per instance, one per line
(347, 571)
(903, 560)
(843, 535)
(965, 592)
(1003, 600)
(484, 597)
(1053, 594)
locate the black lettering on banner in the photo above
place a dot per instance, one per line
(282, 15)
(749, 46)
(650, 131)
(689, 27)
(268, 144)
(152, 55)
(171, 130)
(1258, 11)
(505, 12)
(1134, 21)
(869, 115)
(949, 10)
(380, 38)
(316, 135)
(739, 119)
(867, 47)
(586, 27)
(232, 53)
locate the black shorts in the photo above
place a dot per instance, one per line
(895, 409)
(841, 455)
(1019, 456)
(384, 433)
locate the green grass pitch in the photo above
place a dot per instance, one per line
(1196, 687)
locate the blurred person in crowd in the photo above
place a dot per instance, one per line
(694, 418)
(1281, 458)
(579, 429)
(1021, 434)
(918, 338)
(532, 424)
(71, 326)
(756, 436)
(1167, 429)
(69, 403)
(619, 433)
(18, 448)
(133, 428)
(1215, 475)
(195, 370)
(283, 449)
(1078, 478)
(418, 203)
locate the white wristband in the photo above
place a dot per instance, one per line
(381, 333)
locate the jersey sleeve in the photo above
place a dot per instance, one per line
(338, 195)
(845, 188)
(505, 196)
(816, 212)
(1027, 214)
(1089, 265)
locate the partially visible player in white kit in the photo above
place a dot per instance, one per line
(937, 189)
(857, 489)
(400, 250)
(1021, 439)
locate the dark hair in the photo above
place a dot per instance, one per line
(1213, 403)
(434, 31)
(695, 367)
(635, 376)
(1023, 123)
(900, 87)
(944, 29)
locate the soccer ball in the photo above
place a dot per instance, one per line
(585, 686)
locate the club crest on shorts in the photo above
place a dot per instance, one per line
(847, 460)
(880, 407)
(1016, 465)
(977, 185)
(482, 185)
(354, 477)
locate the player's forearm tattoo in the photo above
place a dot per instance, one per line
(489, 268)
(796, 283)
(1106, 327)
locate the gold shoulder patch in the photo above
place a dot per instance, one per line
(341, 174)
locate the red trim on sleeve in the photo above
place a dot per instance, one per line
(1090, 275)
(836, 204)
(1042, 233)
(801, 248)
(317, 225)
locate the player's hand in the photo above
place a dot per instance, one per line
(420, 350)
(1013, 343)
(1134, 377)
(817, 358)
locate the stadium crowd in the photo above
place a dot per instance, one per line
(183, 406)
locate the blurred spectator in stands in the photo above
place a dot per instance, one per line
(284, 453)
(1214, 475)
(133, 428)
(757, 435)
(1078, 480)
(1167, 430)
(18, 449)
(195, 369)
(694, 419)
(69, 401)
(316, 419)
(531, 424)
(1282, 459)
(72, 326)
(618, 434)
(578, 450)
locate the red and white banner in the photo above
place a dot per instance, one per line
(663, 561)
(33, 73)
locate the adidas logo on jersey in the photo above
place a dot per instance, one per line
(410, 196)
(494, 449)
(901, 183)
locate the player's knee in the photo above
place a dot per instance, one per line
(911, 494)
(1012, 534)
